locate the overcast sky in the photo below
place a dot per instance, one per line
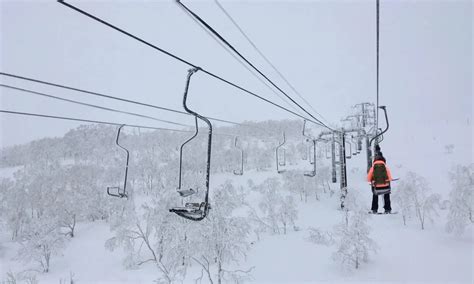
(326, 49)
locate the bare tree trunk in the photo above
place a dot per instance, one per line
(219, 272)
(206, 267)
(72, 226)
(421, 218)
(47, 257)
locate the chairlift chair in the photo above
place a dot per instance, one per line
(195, 211)
(359, 142)
(353, 142)
(305, 140)
(310, 147)
(380, 134)
(240, 171)
(281, 162)
(349, 156)
(328, 151)
(311, 173)
(118, 191)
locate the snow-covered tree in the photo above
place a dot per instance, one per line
(460, 199)
(278, 210)
(320, 237)
(295, 181)
(424, 202)
(353, 242)
(287, 212)
(448, 149)
(13, 207)
(153, 236)
(222, 239)
(27, 276)
(403, 197)
(323, 175)
(79, 198)
(41, 240)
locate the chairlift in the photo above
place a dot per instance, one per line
(380, 134)
(310, 147)
(240, 171)
(281, 162)
(356, 151)
(306, 149)
(359, 142)
(380, 138)
(328, 151)
(307, 154)
(354, 142)
(311, 173)
(120, 192)
(349, 156)
(195, 211)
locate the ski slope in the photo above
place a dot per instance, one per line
(405, 255)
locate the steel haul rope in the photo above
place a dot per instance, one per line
(204, 23)
(266, 58)
(181, 60)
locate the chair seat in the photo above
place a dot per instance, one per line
(118, 192)
(186, 192)
(191, 211)
(380, 191)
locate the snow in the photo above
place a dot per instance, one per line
(9, 172)
(406, 253)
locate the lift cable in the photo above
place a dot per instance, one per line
(182, 60)
(106, 96)
(110, 123)
(121, 99)
(247, 61)
(90, 105)
(259, 78)
(377, 63)
(234, 22)
(88, 120)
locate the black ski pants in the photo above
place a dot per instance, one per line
(375, 202)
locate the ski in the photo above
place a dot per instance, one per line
(383, 213)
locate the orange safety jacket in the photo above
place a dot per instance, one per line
(370, 175)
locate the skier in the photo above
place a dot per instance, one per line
(379, 177)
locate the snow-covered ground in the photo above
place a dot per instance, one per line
(406, 254)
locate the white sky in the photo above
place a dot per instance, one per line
(325, 48)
